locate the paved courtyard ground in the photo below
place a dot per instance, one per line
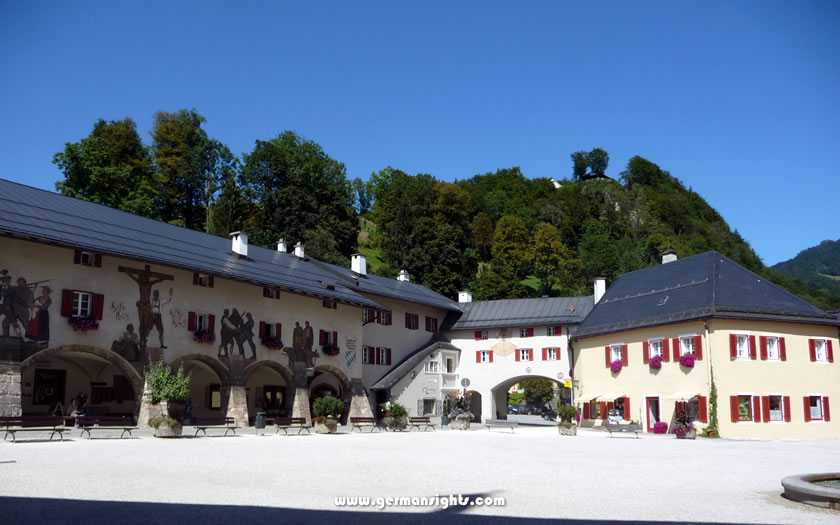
(540, 474)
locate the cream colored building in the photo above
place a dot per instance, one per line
(769, 352)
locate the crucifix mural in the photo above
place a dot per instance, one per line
(149, 305)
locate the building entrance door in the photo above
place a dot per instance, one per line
(652, 404)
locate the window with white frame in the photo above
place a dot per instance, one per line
(484, 334)
(551, 331)
(270, 330)
(450, 365)
(86, 258)
(432, 367)
(772, 348)
(615, 352)
(202, 322)
(656, 348)
(776, 408)
(485, 356)
(203, 280)
(524, 354)
(384, 318)
(742, 347)
(816, 403)
(745, 408)
(412, 321)
(687, 345)
(383, 355)
(523, 332)
(367, 315)
(367, 355)
(551, 354)
(82, 304)
(819, 349)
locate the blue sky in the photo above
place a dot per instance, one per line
(737, 99)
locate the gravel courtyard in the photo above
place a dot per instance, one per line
(296, 479)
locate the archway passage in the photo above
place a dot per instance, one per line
(209, 388)
(52, 378)
(475, 405)
(330, 381)
(508, 398)
(269, 389)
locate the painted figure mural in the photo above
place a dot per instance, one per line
(38, 329)
(301, 354)
(236, 330)
(24, 316)
(149, 304)
(128, 345)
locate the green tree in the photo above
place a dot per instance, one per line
(482, 228)
(511, 247)
(112, 167)
(233, 209)
(598, 160)
(490, 285)
(363, 192)
(298, 190)
(538, 391)
(551, 258)
(579, 164)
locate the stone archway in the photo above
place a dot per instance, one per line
(495, 400)
(202, 408)
(344, 384)
(344, 381)
(214, 364)
(286, 406)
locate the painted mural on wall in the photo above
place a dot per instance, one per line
(128, 345)
(150, 303)
(237, 329)
(25, 309)
(301, 354)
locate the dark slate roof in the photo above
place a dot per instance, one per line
(31, 213)
(698, 287)
(386, 287)
(523, 312)
(411, 360)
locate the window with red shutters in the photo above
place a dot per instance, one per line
(782, 349)
(191, 321)
(702, 409)
(826, 411)
(753, 348)
(262, 329)
(627, 413)
(624, 356)
(786, 401)
(490, 355)
(765, 408)
(698, 347)
(666, 350)
(645, 352)
(733, 409)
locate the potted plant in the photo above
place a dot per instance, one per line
(655, 362)
(396, 417)
(616, 366)
(566, 413)
(660, 427)
(327, 411)
(460, 415)
(165, 387)
(684, 427)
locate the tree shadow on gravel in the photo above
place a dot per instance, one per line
(25, 511)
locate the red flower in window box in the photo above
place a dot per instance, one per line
(272, 343)
(616, 366)
(83, 324)
(655, 362)
(331, 350)
(687, 361)
(204, 336)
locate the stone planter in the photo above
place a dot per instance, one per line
(567, 429)
(461, 422)
(394, 425)
(691, 434)
(326, 426)
(165, 430)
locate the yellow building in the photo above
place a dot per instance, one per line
(659, 337)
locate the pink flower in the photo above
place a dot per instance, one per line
(655, 362)
(616, 366)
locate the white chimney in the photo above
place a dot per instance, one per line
(281, 246)
(600, 288)
(240, 243)
(299, 249)
(404, 276)
(464, 297)
(358, 263)
(670, 255)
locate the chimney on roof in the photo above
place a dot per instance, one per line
(670, 255)
(281, 246)
(358, 263)
(404, 276)
(464, 297)
(240, 244)
(600, 288)
(299, 249)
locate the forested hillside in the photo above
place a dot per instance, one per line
(818, 267)
(489, 233)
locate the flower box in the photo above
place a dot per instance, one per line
(655, 362)
(272, 343)
(83, 324)
(687, 361)
(204, 336)
(616, 366)
(331, 350)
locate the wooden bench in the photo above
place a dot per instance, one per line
(88, 423)
(615, 427)
(359, 422)
(52, 424)
(226, 423)
(285, 423)
(501, 423)
(417, 422)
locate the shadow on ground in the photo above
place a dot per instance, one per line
(24, 511)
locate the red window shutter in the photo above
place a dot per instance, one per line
(675, 344)
(98, 306)
(191, 322)
(335, 342)
(812, 349)
(212, 323)
(829, 350)
(756, 409)
(698, 347)
(490, 355)
(782, 349)
(478, 356)
(733, 346)
(624, 356)
(765, 408)
(645, 353)
(806, 404)
(279, 331)
(77, 257)
(322, 337)
(762, 346)
(66, 303)
(586, 411)
(733, 408)
(666, 354)
(195, 278)
(408, 320)
(277, 293)
(478, 335)
(627, 408)
(516, 354)
(545, 354)
(557, 353)
(607, 355)
(530, 354)
(97, 260)
(558, 330)
(702, 409)
(262, 329)
(388, 356)
(610, 405)
(786, 401)
(753, 349)
(210, 282)
(826, 411)
(603, 410)
(266, 292)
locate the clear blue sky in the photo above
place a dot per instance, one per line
(740, 100)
